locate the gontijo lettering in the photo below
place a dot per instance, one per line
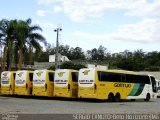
(122, 85)
(86, 81)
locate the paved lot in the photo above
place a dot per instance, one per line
(39, 105)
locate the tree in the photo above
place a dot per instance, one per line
(3, 41)
(98, 55)
(22, 31)
(33, 39)
(71, 65)
(77, 53)
(7, 37)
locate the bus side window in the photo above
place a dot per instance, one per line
(137, 79)
(113, 77)
(108, 76)
(74, 76)
(146, 80)
(123, 78)
(102, 76)
(31, 76)
(51, 76)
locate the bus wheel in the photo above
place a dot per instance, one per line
(110, 97)
(117, 97)
(147, 97)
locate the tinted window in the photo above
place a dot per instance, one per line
(137, 79)
(117, 77)
(145, 79)
(51, 77)
(74, 76)
(108, 76)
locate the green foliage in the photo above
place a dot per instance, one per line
(152, 68)
(21, 35)
(71, 65)
(135, 61)
(18, 36)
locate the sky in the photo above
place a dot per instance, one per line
(117, 25)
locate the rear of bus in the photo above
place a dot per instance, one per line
(66, 83)
(87, 83)
(43, 83)
(23, 82)
(7, 82)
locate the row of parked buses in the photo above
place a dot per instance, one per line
(112, 85)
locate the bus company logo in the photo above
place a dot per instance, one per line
(20, 74)
(60, 74)
(86, 72)
(5, 74)
(39, 73)
(86, 81)
(122, 85)
(20, 81)
(38, 81)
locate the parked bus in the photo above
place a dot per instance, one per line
(158, 87)
(115, 85)
(8, 82)
(23, 82)
(43, 83)
(66, 83)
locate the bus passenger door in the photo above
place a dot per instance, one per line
(154, 88)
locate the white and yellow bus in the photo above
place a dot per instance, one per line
(43, 83)
(23, 82)
(8, 82)
(115, 85)
(66, 83)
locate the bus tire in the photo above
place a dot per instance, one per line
(117, 97)
(110, 97)
(147, 97)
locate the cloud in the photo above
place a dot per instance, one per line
(42, 12)
(57, 9)
(46, 2)
(49, 25)
(142, 8)
(84, 10)
(145, 31)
